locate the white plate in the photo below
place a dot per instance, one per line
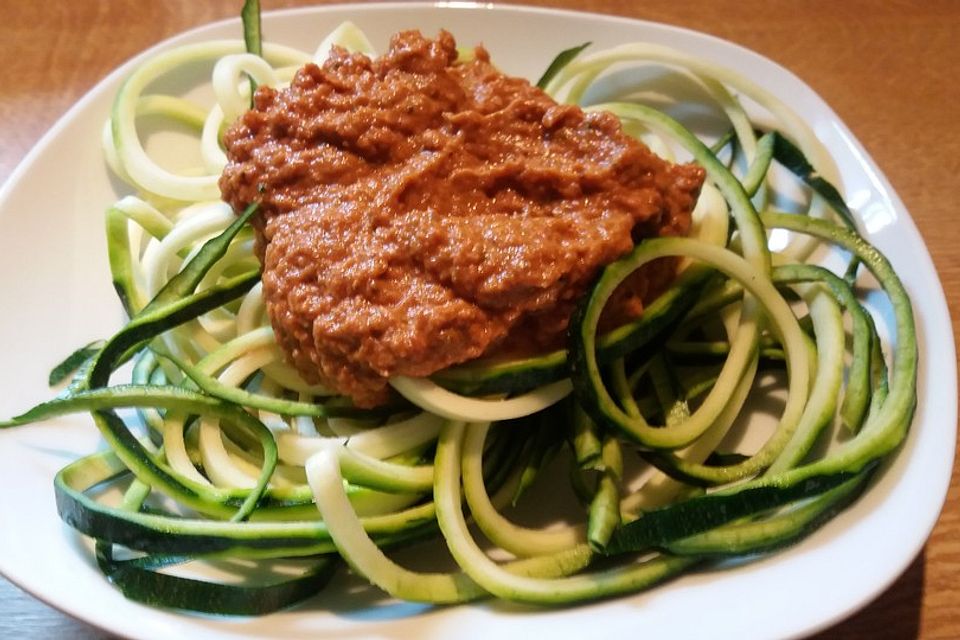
(56, 295)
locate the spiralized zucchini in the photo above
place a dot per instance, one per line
(242, 459)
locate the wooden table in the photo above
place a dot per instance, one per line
(889, 69)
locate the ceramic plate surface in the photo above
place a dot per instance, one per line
(56, 295)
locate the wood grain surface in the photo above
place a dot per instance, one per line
(889, 69)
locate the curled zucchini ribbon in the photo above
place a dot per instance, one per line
(227, 456)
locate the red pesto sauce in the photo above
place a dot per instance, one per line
(416, 212)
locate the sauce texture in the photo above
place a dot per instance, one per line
(417, 212)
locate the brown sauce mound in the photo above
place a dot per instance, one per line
(417, 213)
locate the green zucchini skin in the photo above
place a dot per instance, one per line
(561, 60)
(649, 330)
(252, 33)
(658, 528)
(792, 158)
(885, 428)
(166, 534)
(139, 580)
(759, 535)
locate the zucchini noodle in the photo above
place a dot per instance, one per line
(241, 458)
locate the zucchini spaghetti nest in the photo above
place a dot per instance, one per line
(232, 456)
